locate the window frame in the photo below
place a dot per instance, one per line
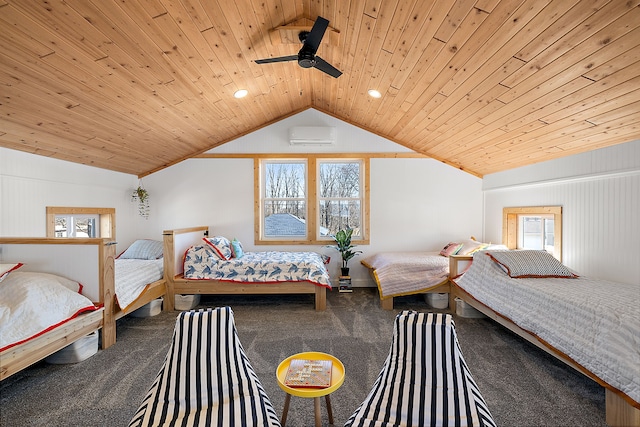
(262, 197)
(107, 219)
(312, 161)
(511, 228)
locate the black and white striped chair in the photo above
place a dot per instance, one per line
(424, 381)
(206, 378)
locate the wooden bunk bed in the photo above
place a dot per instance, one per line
(176, 243)
(621, 410)
(90, 261)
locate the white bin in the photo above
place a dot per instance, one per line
(186, 302)
(150, 309)
(465, 310)
(437, 300)
(77, 351)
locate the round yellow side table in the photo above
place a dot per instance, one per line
(337, 378)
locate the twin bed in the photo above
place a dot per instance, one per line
(591, 325)
(407, 273)
(114, 289)
(252, 273)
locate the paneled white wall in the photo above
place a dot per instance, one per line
(30, 183)
(600, 195)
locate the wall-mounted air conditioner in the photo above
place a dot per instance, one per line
(312, 135)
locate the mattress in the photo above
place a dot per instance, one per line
(133, 276)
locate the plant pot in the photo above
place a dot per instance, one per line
(344, 271)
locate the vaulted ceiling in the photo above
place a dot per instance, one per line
(484, 85)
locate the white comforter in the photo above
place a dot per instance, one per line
(595, 322)
(34, 303)
(406, 273)
(133, 276)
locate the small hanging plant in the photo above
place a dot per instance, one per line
(141, 196)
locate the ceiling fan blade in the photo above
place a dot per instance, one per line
(324, 66)
(314, 37)
(279, 59)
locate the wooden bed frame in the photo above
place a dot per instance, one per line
(619, 411)
(176, 243)
(90, 262)
(386, 303)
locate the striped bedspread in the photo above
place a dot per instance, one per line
(206, 378)
(594, 322)
(406, 273)
(132, 276)
(424, 381)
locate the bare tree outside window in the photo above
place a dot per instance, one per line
(284, 203)
(76, 226)
(340, 197)
(333, 194)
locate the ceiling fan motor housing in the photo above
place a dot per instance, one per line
(306, 58)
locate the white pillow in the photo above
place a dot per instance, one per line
(471, 246)
(35, 277)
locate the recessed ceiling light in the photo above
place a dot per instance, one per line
(240, 93)
(374, 93)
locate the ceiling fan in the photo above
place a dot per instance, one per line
(306, 57)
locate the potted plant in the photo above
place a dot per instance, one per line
(142, 197)
(344, 246)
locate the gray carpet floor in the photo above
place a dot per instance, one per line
(523, 386)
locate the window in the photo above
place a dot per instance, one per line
(309, 199)
(340, 197)
(533, 228)
(284, 201)
(77, 226)
(80, 222)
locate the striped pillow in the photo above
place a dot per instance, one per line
(143, 249)
(530, 263)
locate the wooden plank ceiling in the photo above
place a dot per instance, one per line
(484, 85)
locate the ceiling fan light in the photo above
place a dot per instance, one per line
(374, 93)
(240, 93)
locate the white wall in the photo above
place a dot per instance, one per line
(599, 192)
(416, 204)
(29, 183)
